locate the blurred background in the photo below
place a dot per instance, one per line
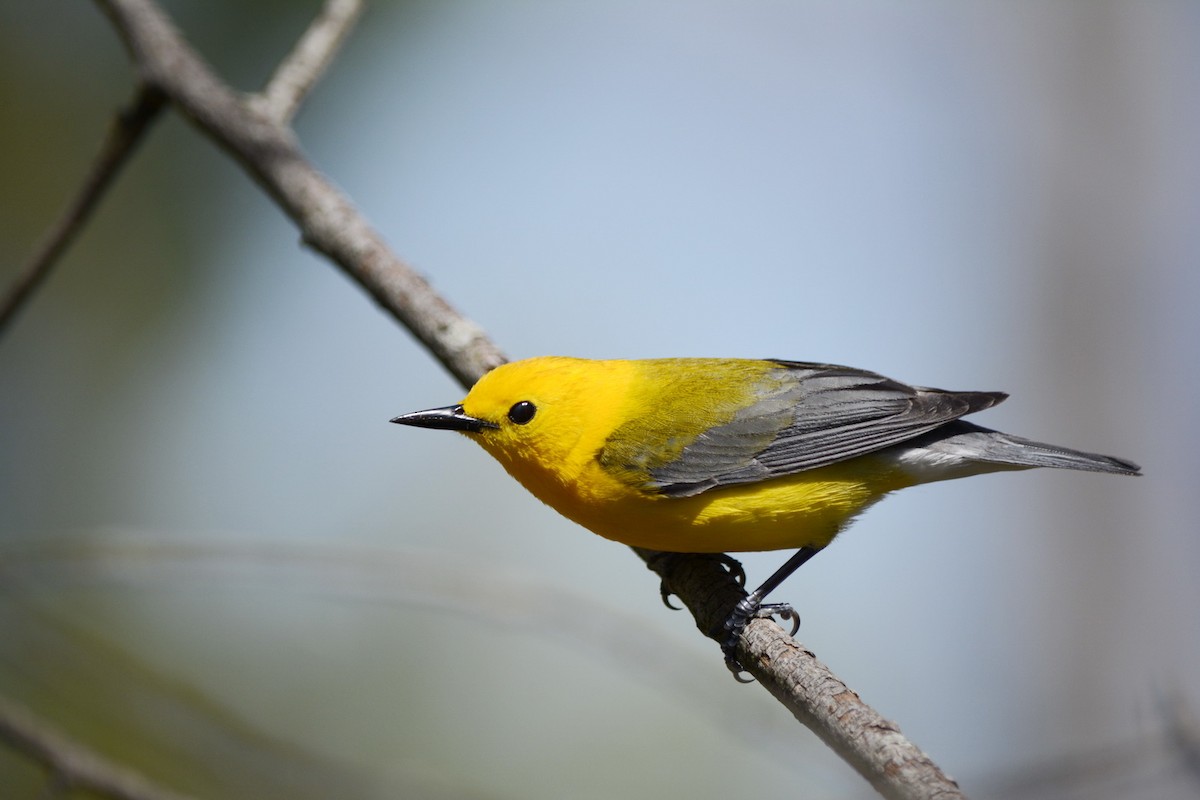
(220, 565)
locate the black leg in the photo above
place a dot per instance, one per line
(752, 607)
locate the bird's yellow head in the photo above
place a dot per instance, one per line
(542, 418)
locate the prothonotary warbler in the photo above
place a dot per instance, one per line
(707, 455)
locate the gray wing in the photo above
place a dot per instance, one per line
(810, 416)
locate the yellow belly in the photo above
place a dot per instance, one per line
(803, 510)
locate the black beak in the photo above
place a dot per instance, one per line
(449, 418)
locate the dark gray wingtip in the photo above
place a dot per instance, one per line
(447, 418)
(1121, 466)
(1063, 458)
(1040, 454)
(970, 441)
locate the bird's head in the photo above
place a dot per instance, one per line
(539, 416)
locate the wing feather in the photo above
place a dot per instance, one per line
(809, 416)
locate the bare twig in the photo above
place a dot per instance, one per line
(71, 764)
(123, 136)
(289, 85)
(295, 76)
(330, 223)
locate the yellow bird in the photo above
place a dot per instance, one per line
(705, 455)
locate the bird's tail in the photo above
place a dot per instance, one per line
(965, 443)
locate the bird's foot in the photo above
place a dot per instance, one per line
(748, 608)
(731, 565)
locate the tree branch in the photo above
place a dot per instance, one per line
(73, 765)
(123, 137)
(329, 223)
(872, 745)
(295, 76)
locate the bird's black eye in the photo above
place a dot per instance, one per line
(522, 412)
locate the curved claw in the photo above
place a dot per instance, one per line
(656, 561)
(733, 567)
(665, 594)
(737, 670)
(781, 610)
